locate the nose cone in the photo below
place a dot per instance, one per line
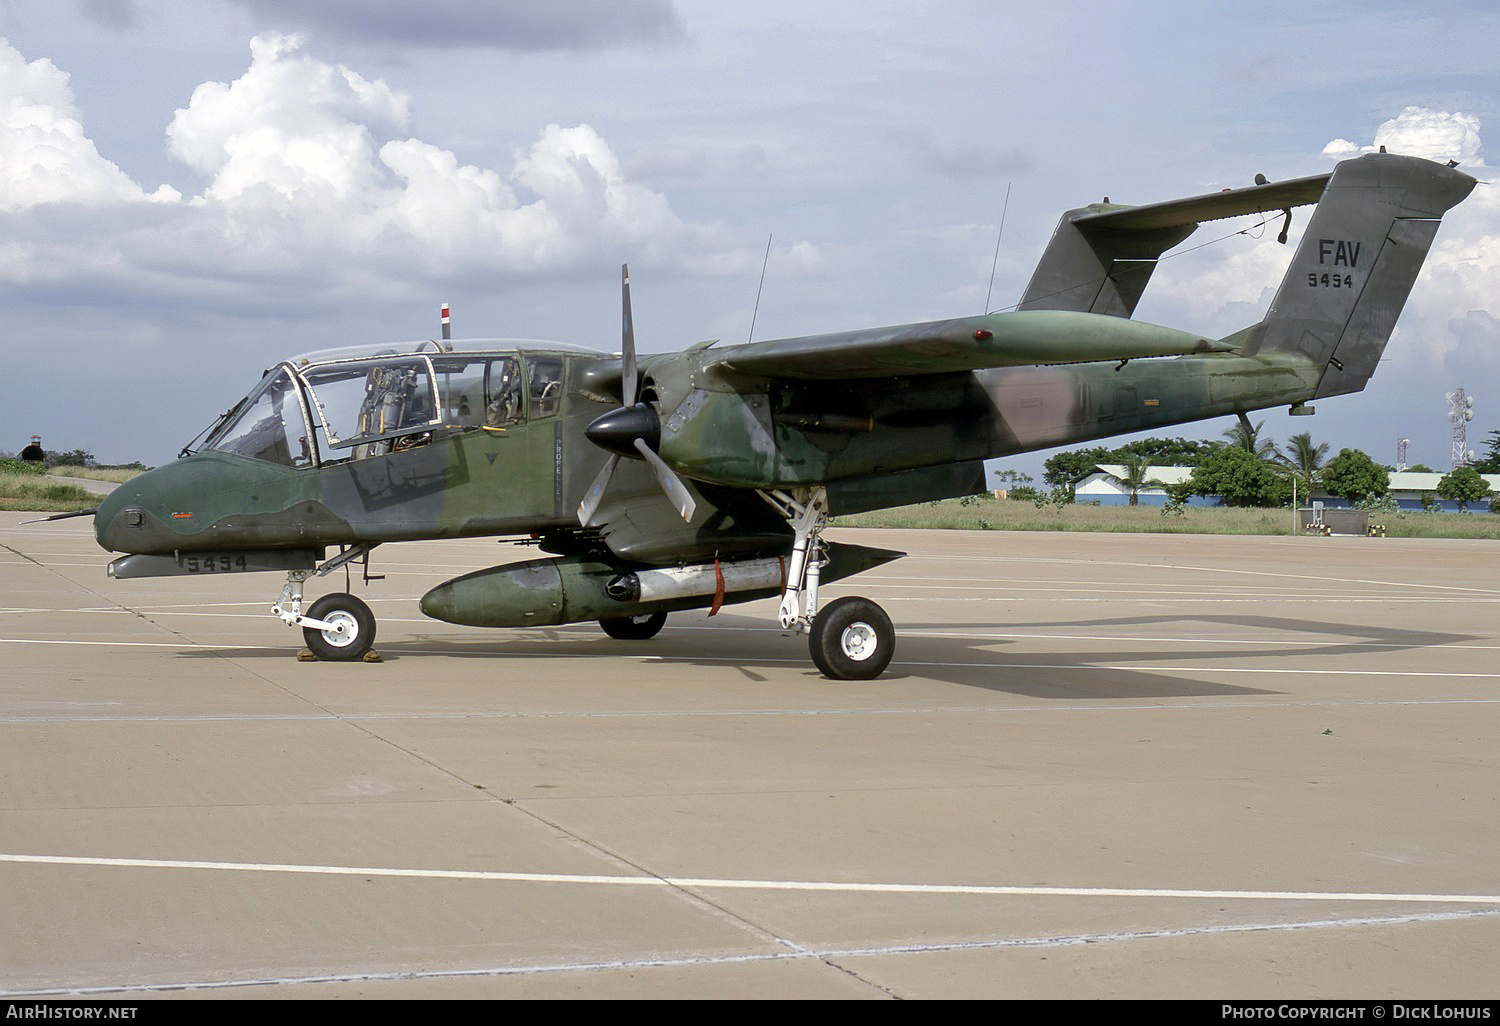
(109, 508)
(123, 523)
(617, 430)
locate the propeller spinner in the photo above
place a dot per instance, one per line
(633, 430)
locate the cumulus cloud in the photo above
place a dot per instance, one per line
(1420, 132)
(310, 182)
(520, 25)
(291, 125)
(44, 155)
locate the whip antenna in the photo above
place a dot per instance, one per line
(754, 313)
(998, 236)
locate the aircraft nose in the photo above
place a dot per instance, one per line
(119, 524)
(128, 520)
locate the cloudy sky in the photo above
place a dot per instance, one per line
(190, 191)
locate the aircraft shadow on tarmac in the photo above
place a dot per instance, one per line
(1058, 675)
(1083, 672)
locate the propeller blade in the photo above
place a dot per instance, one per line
(627, 342)
(670, 482)
(595, 495)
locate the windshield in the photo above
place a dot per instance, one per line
(268, 425)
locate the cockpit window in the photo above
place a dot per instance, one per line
(371, 406)
(460, 382)
(546, 385)
(506, 402)
(480, 391)
(269, 425)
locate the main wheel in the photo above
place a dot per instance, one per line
(852, 639)
(633, 628)
(352, 633)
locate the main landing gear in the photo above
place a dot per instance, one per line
(852, 639)
(337, 627)
(633, 628)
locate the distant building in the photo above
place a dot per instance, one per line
(33, 453)
(1407, 487)
(1102, 485)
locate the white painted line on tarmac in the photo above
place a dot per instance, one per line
(1268, 638)
(1202, 705)
(706, 883)
(1258, 599)
(1299, 671)
(820, 954)
(459, 647)
(132, 644)
(977, 558)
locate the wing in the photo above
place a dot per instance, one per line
(963, 343)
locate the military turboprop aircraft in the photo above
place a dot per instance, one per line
(723, 463)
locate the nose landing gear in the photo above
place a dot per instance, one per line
(337, 627)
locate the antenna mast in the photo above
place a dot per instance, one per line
(756, 312)
(1460, 412)
(998, 236)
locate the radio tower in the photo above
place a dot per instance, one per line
(1401, 454)
(1460, 412)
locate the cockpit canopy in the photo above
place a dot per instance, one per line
(357, 403)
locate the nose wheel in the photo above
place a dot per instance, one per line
(347, 631)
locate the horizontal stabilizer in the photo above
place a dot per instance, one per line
(961, 344)
(1213, 206)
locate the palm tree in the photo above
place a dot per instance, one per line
(1135, 467)
(1303, 460)
(1243, 436)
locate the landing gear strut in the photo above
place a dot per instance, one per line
(337, 627)
(853, 638)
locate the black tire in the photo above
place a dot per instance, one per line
(852, 639)
(357, 625)
(633, 628)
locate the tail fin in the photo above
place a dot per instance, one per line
(1356, 264)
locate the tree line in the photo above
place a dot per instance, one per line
(1249, 469)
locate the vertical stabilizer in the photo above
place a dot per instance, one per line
(1356, 264)
(1096, 270)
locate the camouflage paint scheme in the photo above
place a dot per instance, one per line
(882, 417)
